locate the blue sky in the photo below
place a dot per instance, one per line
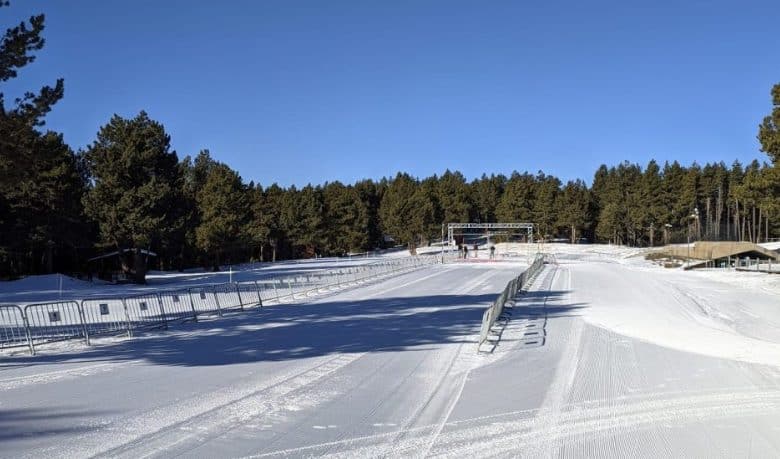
(296, 92)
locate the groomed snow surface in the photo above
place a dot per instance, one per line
(607, 355)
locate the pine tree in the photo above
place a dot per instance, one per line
(486, 194)
(40, 177)
(545, 204)
(769, 130)
(346, 219)
(258, 228)
(651, 201)
(769, 136)
(194, 173)
(17, 51)
(573, 208)
(454, 196)
(274, 197)
(370, 194)
(425, 214)
(517, 202)
(611, 213)
(224, 212)
(136, 191)
(395, 209)
(303, 220)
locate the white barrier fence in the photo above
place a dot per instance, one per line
(39, 323)
(518, 284)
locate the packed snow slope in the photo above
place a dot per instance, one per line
(605, 356)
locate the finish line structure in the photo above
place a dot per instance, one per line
(489, 229)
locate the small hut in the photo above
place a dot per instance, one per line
(108, 267)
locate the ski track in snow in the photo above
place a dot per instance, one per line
(50, 377)
(168, 426)
(617, 358)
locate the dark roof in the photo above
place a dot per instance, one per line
(115, 253)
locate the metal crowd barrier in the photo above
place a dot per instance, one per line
(105, 316)
(13, 327)
(62, 320)
(54, 321)
(518, 284)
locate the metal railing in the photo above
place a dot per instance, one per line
(38, 323)
(518, 284)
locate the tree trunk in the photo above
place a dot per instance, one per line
(139, 262)
(133, 265)
(728, 222)
(766, 223)
(718, 212)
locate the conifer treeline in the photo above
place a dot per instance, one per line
(129, 190)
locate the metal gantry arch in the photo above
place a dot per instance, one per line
(488, 227)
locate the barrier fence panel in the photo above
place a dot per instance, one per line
(59, 320)
(13, 327)
(250, 293)
(204, 300)
(295, 285)
(105, 316)
(268, 289)
(146, 311)
(518, 284)
(178, 305)
(227, 296)
(317, 281)
(54, 321)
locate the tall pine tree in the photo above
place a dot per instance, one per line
(136, 194)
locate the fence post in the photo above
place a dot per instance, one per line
(84, 322)
(216, 301)
(162, 311)
(28, 332)
(192, 305)
(276, 292)
(240, 301)
(259, 298)
(127, 317)
(289, 287)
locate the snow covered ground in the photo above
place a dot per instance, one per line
(54, 287)
(607, 355)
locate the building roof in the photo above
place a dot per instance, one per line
(115, 253)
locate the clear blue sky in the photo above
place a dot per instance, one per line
(296, 92)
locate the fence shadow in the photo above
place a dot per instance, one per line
(29, 425)
(529, 318)
(295, 331)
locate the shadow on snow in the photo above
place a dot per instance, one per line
(295, 331)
